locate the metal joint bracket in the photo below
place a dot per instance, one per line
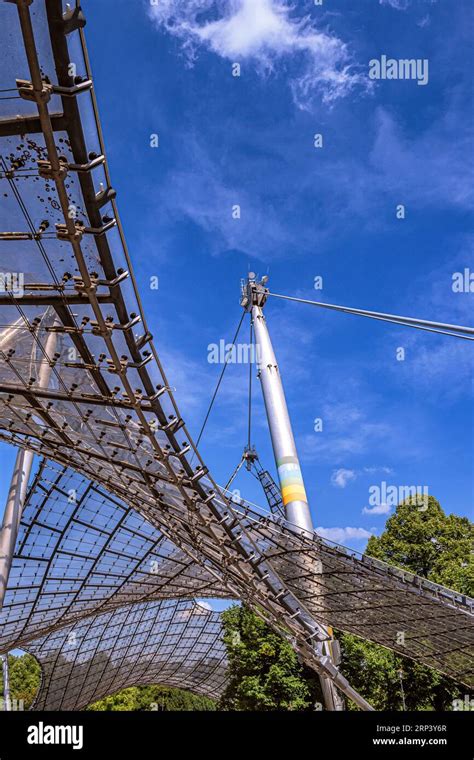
(173, 425)
(115, 326)
(46, 171)
(93, 163)
(73, 19)
(75, 89)
(116, 281)
(28, 92)
(63, 232)
(125, 363)
(143, 340)
(159, 393)
(104, 196)
(253, 293)
(80, 286)
(100, 230)
(180, 453)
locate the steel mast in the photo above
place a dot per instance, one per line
(17, 496)
(293, 492)
(21, 475)
(292, 487)
(7, 705)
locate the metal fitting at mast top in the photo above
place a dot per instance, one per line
(253, 293)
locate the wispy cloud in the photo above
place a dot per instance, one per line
(378, 509)
(268, 35)
(343, 535)
(399, 5)
(438, 366)
(341, 477)
(402, 5)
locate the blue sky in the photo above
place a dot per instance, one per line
(166, 69)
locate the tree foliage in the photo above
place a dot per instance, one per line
(423, 539)
(429, 543)
(24, 674)
(264, 672)
(155, 698)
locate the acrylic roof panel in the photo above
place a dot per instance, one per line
(171, 643)
(80, 550)
(108, 411)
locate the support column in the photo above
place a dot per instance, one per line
(284, 448)
(20, 478)
(7, 705)
(12, 516)
(292, 487)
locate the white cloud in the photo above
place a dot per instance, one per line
(341, 535)
(205, 605)
(341, 477)
(265, 33)
(399, 5)
(425, 21)
(378, 509)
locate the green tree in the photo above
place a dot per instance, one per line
(24, 673)
(429, 543)
(264, 672)
(146, 698)
(25, 676)
(426, 541)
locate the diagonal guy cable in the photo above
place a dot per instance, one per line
(219, 382)
(456, 331)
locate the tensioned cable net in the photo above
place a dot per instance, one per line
(82, 552)
(79, 551)
(173, 643)
(107, 411)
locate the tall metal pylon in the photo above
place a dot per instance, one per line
(293, 492)
(22, 471)
(7, 704)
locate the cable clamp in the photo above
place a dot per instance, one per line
(28, 92)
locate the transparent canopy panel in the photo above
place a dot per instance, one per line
(170, 643)
(80, 550)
